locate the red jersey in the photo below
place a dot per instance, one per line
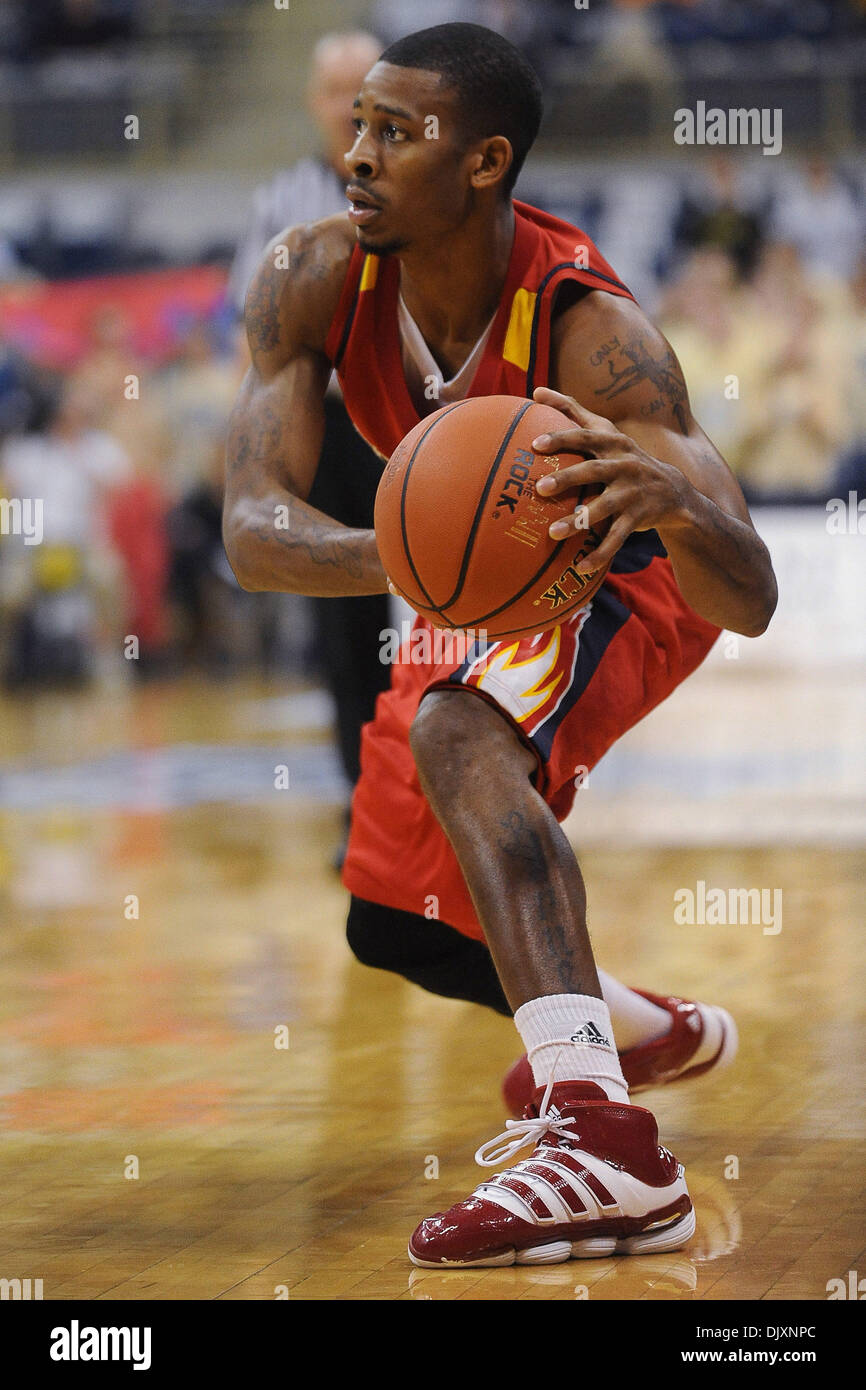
(568, 693)
(364, 340)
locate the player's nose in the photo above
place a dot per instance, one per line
(361, 158)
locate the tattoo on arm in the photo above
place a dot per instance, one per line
(306, 537)
(264, 298)
(632, 362)
(254, 443)
(262, 311)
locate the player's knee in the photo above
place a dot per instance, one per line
(445, 728)
(455, 728)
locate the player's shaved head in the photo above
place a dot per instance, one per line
(497, 90)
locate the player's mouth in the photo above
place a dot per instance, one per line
(363, 209)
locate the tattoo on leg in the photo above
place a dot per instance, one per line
(521, 842)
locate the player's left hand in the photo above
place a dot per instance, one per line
(639, 493)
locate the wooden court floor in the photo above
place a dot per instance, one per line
(157, 946)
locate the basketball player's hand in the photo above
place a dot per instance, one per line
(640, 493)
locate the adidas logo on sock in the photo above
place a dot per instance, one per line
(588, 1033)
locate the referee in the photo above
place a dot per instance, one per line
(347, 629)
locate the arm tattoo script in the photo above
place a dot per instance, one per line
(630, 363)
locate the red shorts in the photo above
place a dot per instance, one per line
(569, 693)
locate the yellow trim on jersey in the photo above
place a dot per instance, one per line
(369, 273)
(519, 335)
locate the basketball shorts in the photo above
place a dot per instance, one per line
(569, 693)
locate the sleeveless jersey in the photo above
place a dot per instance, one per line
(570, 692)
(364, 346)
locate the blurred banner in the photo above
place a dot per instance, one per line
(51, 322)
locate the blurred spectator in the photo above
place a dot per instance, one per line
(26, 392)
(51, 589)
(108, 360)
(632, 44)
(194, 395)
(857, 340)
(11, 266)
(136, 522)
(219, 628)
(820, 216)
(513, 19)
(46, 26)
(798, 420)
(851, 473)
(721, 341)
(137, 424)
(196, 558)
(766, 366)
(717, 213)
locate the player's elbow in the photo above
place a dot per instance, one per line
(240, 551)
(757, 628)
(759, 618)
(246, 578)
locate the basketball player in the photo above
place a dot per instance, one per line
(468, 768)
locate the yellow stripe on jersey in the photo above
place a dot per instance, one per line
(369, 273)
(519, 334)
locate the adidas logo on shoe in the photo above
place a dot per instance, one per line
(588, 1033)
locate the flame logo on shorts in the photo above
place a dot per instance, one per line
(521, 684)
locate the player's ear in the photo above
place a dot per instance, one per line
(492, 162)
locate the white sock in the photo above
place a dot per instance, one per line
(635, 1020)
(570, 1036)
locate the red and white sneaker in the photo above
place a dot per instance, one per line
(597, 1183)
(668, 1058)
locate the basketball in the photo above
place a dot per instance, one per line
(462, 532)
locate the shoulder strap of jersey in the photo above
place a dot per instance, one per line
(584, 265)
(361, 274)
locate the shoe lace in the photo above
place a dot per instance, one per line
(520, 1133)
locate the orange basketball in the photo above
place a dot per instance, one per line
(462, 532)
